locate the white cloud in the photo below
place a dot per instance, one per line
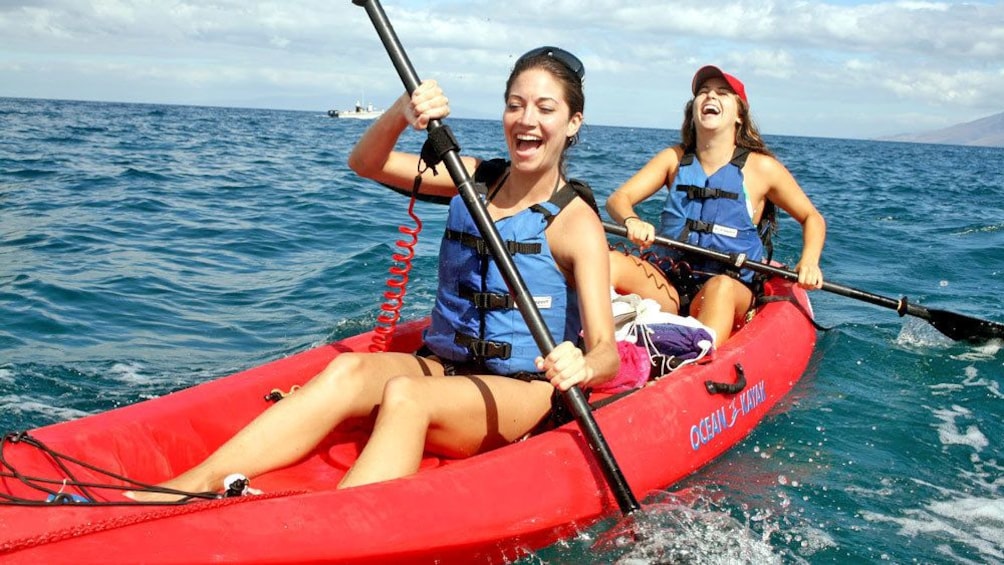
(808, 65)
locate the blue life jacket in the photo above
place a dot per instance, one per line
(712, 212)
(475, 319)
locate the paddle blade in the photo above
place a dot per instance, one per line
(962, 327)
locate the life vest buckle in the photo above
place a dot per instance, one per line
(487, 300)
(695, 192)
(487, 349)
(484, 348)
(700, 226)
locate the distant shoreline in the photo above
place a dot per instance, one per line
(984, 132)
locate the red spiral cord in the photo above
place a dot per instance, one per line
(397, 283)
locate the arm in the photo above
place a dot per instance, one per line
(657, 173)
(374, 156)
(580, 247)
(783, 190)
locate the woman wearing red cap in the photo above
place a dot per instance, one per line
(723, 186)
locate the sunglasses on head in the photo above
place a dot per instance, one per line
(564, 57)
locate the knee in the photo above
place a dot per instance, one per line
(723, 293)
(343, 371)
(403, 395)
(719, 287)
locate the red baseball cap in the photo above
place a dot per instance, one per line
(711, 71)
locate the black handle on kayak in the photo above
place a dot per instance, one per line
(574, 397)
(953, 325)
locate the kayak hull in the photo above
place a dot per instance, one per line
(498, 506)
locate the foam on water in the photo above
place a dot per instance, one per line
(954, 518)
(16, 408)
(919, 334)
(949, 431)
(971, 521)
(982, 352)
(972, 379)
(699, 525)
(128, 373)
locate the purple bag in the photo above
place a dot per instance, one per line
(671, 346)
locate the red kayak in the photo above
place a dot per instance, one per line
(498, 506)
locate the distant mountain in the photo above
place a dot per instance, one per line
(986, 132)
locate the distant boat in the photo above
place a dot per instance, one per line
(360, 112)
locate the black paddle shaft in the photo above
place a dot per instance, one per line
(953, 325)
(574, 397)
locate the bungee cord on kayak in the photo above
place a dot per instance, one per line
(681, 273)
(69, 489)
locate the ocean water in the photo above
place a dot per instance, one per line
(147, 248)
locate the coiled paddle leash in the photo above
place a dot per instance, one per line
(432, 154)
(397, 283)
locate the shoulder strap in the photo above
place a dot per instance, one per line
(489, 171)
(573, 188)
(768, 218)
(564, 195)
(739, 157)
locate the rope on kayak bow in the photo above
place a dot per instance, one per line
(69, 489)
(94, 527)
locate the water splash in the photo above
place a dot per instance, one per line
(696, 525)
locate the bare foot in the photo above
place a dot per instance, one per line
(155, 496)
(235, 484)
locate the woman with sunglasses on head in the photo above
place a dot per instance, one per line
(723, 186)
(479, 382)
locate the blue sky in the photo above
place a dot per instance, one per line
(853, 69)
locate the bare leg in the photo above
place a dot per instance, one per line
(630, 274)
(350, 386)
(453, 416)
(721, 302)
